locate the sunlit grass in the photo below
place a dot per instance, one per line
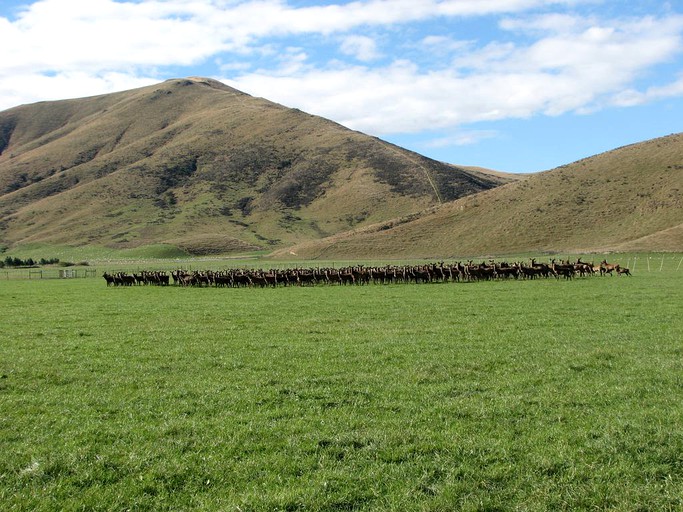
(536, 395)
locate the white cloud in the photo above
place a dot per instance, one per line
(96, 35)
(548, 64)
(463, 138)
(444, 44)
(555, 23)
(15, 89)
(579, 69)
(632, 97)
(671, 90)
(362, 48)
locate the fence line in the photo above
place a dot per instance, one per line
(38, 273)
(632, 262)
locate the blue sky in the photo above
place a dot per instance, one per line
(512, 85)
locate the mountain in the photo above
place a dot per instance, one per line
(628, 199)
(196, 164)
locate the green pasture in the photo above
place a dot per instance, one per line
(512, 395)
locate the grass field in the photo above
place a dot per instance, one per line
(536, 395)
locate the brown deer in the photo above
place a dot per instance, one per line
(608, 268)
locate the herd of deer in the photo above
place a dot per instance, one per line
(361, 275)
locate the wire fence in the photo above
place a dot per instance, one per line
(652, 262)
(48, 273)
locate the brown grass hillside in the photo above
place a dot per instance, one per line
(628, 199)
(199, 165)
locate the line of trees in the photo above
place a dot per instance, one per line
(10, 261)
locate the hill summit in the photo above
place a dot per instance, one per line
(207, 168)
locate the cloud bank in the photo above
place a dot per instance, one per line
(379, 66)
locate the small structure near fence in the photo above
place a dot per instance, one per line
(72, 273)
(35, 274)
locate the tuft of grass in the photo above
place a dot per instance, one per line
(539, 395)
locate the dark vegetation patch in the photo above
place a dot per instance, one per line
(454, 183)
(400, 177)
(7, 126)
(20, 181)
(36, 188)
(166, 200)
(288, 219)
(164, 136)
(302, 184)
(245, 205)
(269, 241)
(117, 139)
(159, 93)
(390, 168)
(397, 222)
(357, 218)
(417, 176)
(176, 173)
(86, 156)
(105, 169)
(10, 261)
(245, 165)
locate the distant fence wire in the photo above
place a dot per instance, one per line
(632, 262)
(651, 261)
(38, 273)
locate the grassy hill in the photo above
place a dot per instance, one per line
(628, 199)
(203, 167)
